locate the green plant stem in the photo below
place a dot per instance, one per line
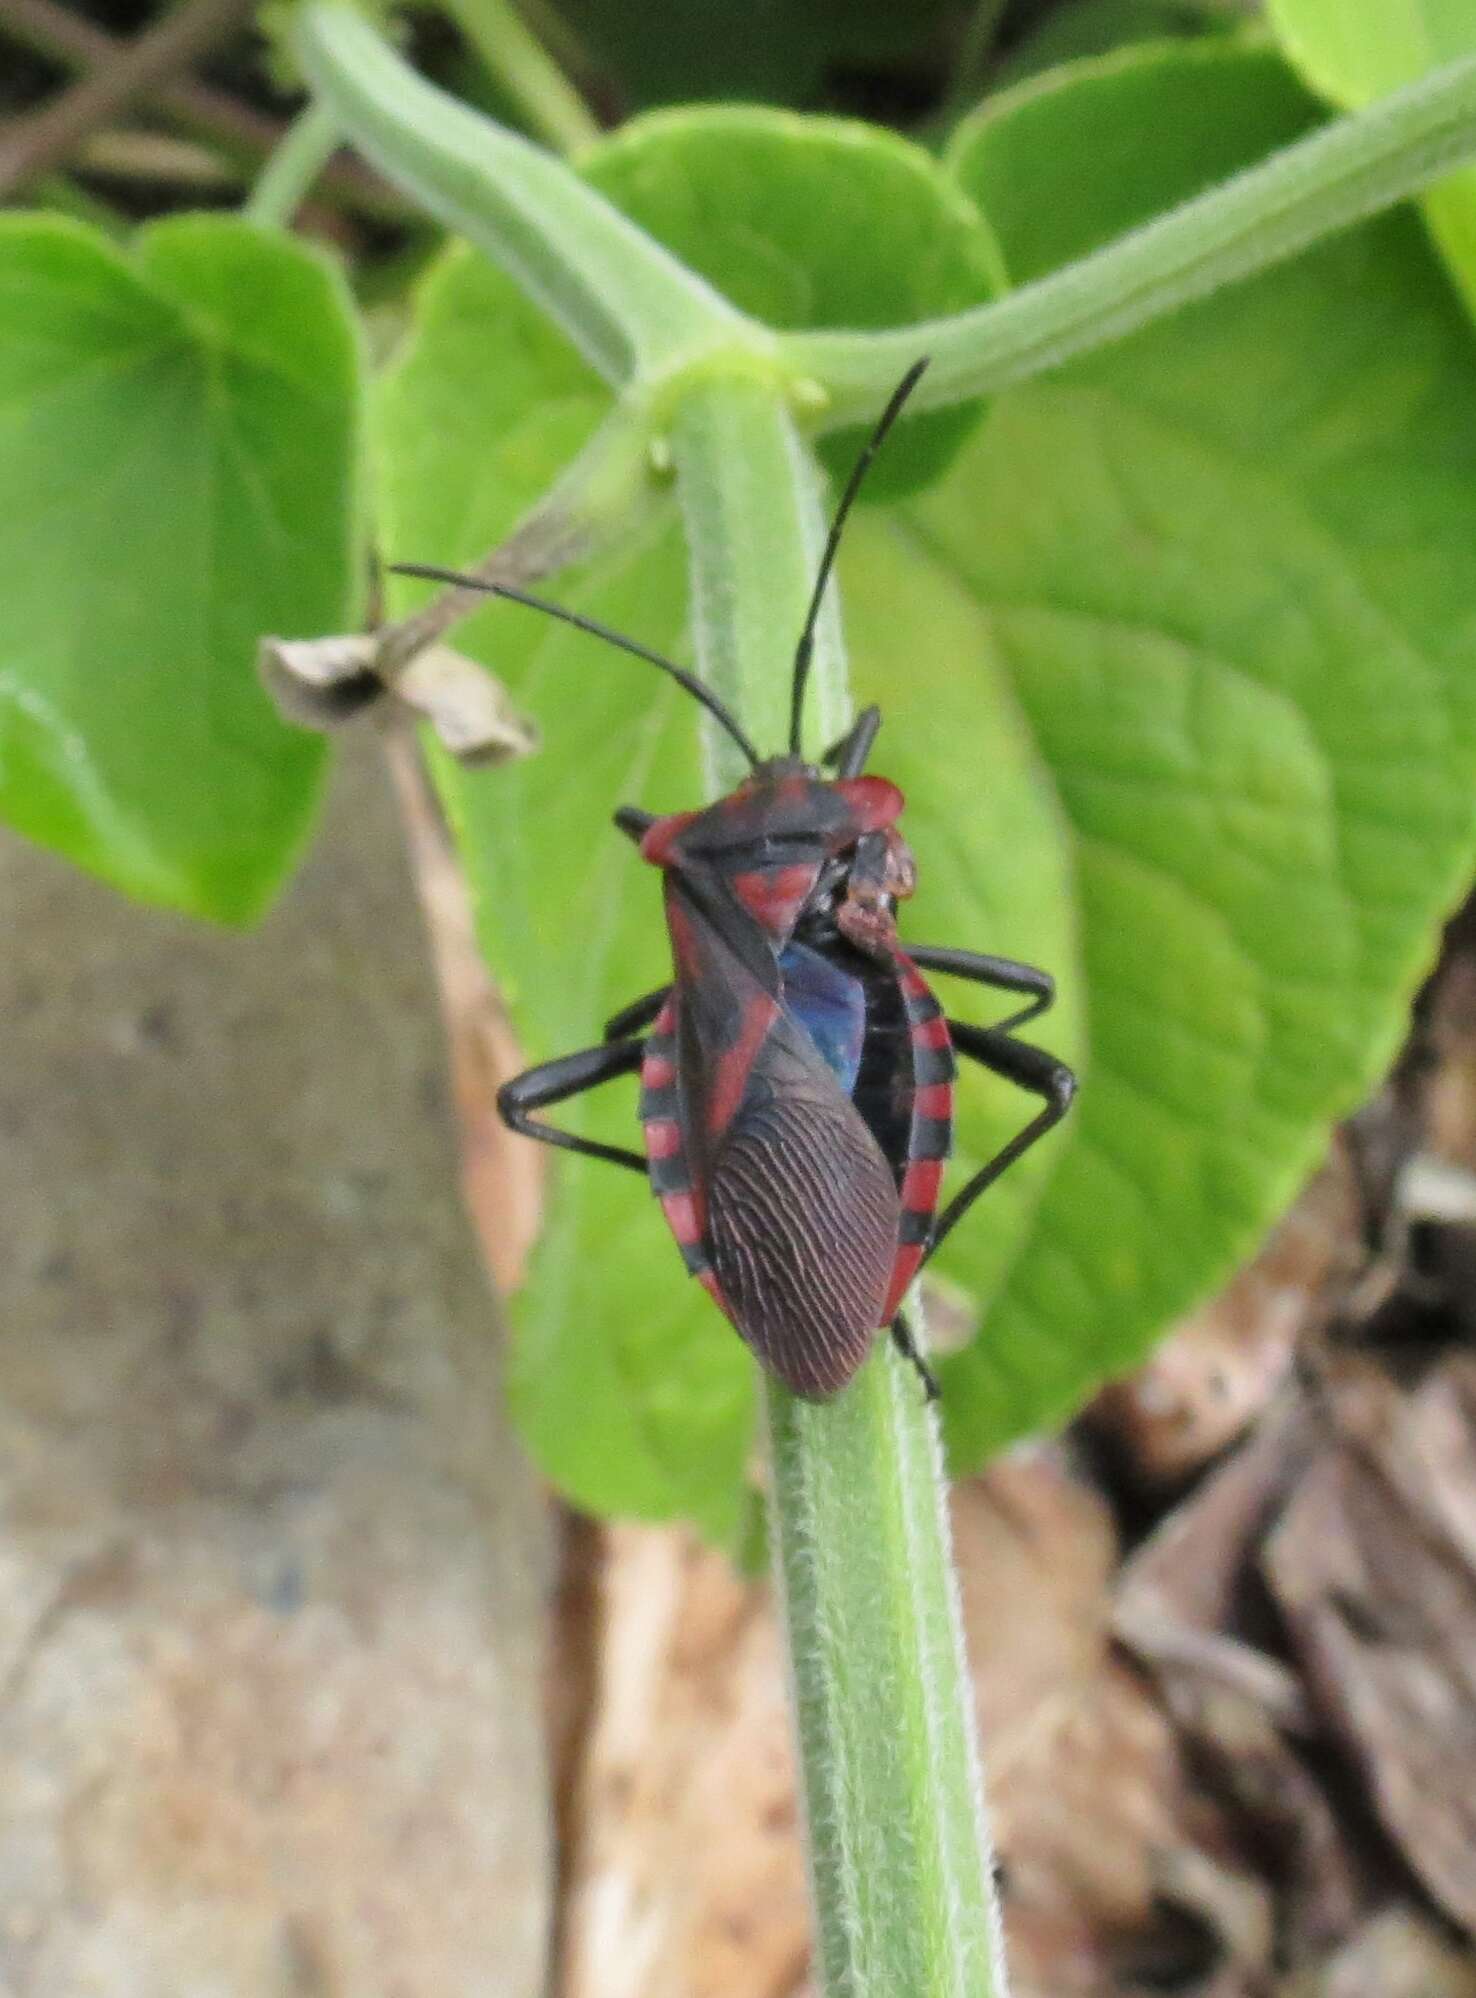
(899, 1854)
(550, 105)
(635, 310)
(1337, 176)
(749, 496)
(308, 144)
(624, 300)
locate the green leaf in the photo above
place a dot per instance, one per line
(1025, 155)
(1353, 55)
(1226, 569)
(178, 475)
(633, 1393)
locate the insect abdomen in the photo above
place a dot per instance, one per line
(667, 1162)
(931, 1136)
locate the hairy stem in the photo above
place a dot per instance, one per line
(1346, 171)
(899, 1856)
(625, 301)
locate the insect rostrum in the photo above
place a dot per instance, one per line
(796, 1075)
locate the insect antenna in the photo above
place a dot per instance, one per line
(430, 573)
(806, 646)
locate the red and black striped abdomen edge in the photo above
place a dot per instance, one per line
(666, 1151)
(931, 1137)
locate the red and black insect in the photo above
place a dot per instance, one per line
(796, 1076)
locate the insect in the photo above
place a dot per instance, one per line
(796, 1074)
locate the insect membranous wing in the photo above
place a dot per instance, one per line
(802, 1221)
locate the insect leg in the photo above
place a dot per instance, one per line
(633, 822)
(1004, 973)
(555, 1081)
(848, 756)
(638, 1014)
(902, 1339)
(1033, 1069)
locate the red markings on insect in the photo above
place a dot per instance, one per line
(682, 1217)
(876, 801)
(659, 838)
(684, 942)
(775, 896)
(906, 1267)
(732, 1068)
(921, 1184)
(663, 1137)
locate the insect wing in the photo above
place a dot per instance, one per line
(802, 1219)
(798, 1207)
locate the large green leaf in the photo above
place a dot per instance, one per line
(1226, 565)
(1029, 153)
(178, 463)
(633, 1393)
(1353, 54)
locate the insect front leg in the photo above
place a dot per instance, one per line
(1018, 1062)
(555, 1082)
(1005, 974)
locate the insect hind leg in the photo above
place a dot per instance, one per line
(555, 1082)
(1029, 1067)
(906, 1345)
